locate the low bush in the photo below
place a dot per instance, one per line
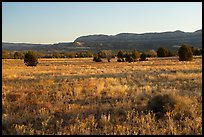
(143, 57)
(162, 52)
(30, 59)
(18, 55)
(185, 53)
(96, 58)
(161, 104)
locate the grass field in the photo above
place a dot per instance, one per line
(79, 96)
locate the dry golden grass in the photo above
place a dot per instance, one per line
(79, 96)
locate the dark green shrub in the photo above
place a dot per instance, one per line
(177, 105)
(160, 104)
(121, 56)
(18, 55)
(197, 52)
(143, 57)
(185, 53)
(129, 58)
(96, 58)
(31, 59)
(135, 55)
(163, 52)
(101, 54)
(172, 53)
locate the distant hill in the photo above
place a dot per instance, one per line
(122, 41)
(46, 48)
(144, 41)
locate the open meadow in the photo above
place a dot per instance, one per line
(79, 96)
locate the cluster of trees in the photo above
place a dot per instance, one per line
(15, 55)
(8, 55)
(30, 57)
(131, 56)
(128, 56)
(197, 51)
(185, 53)
(81, 54)
(123, 56)
(165, 52)
(20, 54)
(108, 54)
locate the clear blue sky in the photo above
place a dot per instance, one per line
(53, 22)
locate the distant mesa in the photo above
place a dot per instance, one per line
(121, 41)
(134, 37)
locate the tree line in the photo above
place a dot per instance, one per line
(161, 52)
(185, 53)
(20, 54)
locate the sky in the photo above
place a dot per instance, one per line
(54, 22)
